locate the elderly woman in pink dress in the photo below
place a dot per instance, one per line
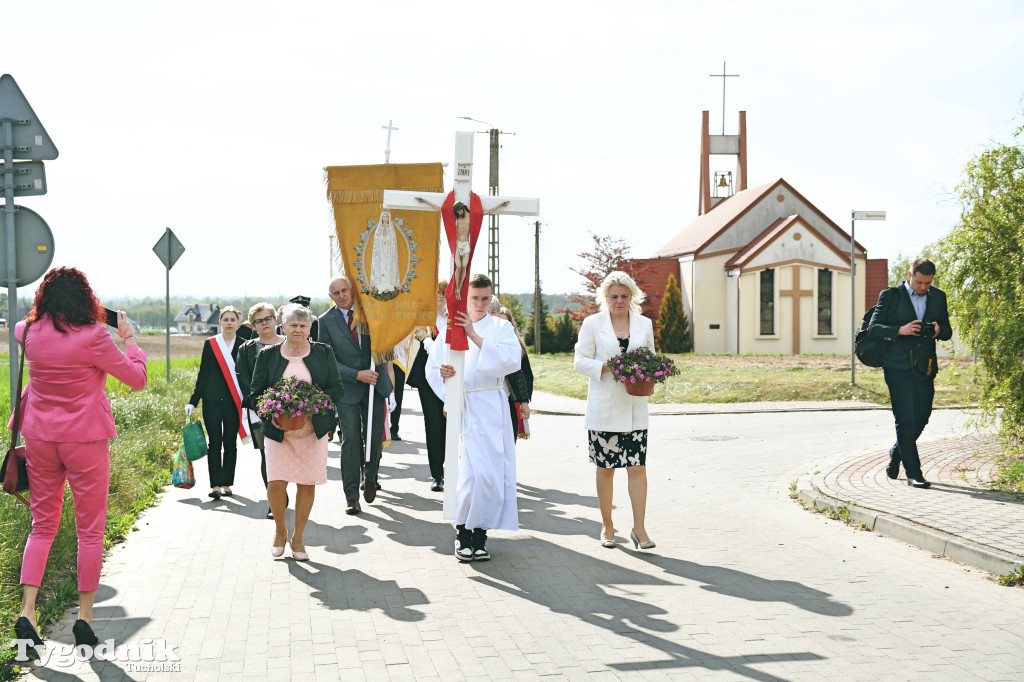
(300, 456)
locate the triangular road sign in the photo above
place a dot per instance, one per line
(30, 138)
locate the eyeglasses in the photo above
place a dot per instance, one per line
(264, 320)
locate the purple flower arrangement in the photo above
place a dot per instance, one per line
(642, 364)
(293, 398)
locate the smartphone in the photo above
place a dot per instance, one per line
(111, 317)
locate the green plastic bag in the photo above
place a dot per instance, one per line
(194, 439)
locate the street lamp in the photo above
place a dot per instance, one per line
(854, 217)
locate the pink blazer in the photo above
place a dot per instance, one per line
(66, 399)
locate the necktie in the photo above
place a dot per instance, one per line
(352, 326)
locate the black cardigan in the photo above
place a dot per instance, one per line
(323, 369)
(210, 383)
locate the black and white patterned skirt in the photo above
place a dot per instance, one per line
(618, 449)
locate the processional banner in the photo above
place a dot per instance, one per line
(391, 259)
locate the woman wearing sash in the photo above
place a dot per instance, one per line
(217, 387)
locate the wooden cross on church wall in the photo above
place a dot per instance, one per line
(795, 294)
(432, 201)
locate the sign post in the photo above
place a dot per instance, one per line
(26, 236)
(854, 217)
(168, 249)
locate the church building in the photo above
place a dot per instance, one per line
(762, 270)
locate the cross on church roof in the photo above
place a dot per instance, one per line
(723, 76)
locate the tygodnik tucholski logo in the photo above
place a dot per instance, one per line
(149, 655)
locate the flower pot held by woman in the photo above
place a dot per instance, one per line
(287, 422)
(640, 388)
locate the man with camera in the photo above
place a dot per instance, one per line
(911, 317)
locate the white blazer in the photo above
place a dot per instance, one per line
(609, 407)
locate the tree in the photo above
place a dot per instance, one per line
(899, 268)
(547, 332)
(608, 254)
(982, 267)
(565, 334)
(673, 327)
(515, 306)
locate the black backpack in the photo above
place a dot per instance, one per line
(869, 351)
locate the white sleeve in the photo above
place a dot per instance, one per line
(500, 352)
(435, 359)
(585, 360)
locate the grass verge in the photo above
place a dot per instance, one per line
(148, 426)
(714, 379)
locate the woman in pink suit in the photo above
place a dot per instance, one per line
(67, 424)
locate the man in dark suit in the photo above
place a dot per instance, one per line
(352, 351)
(911, 317)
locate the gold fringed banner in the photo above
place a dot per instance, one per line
(392, 264)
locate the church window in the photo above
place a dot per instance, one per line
(825, 301)
(767, 302)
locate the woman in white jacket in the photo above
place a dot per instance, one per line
(616, 421)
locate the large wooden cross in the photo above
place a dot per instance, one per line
(426, 201)
(795, 294)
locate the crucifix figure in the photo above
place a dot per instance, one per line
(387, 147)
(462, 211)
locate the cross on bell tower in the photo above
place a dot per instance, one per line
(735, 145)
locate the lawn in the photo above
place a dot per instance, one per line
(752, 378)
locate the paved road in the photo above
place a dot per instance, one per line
(744, 584)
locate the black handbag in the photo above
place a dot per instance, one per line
(16, 477)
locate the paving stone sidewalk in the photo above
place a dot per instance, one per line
(960, 516)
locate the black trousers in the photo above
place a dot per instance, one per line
(435, 423)
(352, 418)
(399, 390)
(911, 397)
(221, 422)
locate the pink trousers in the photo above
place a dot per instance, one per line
(86, 466)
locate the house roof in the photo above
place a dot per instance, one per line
(773, 232)
(706, 228)
(204, 312)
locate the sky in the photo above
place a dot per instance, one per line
(216, 119)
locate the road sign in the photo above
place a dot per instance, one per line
(29, 178)
(33, 247)
(869, 215)
(168, 249)
(30, 138)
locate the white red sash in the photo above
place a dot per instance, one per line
(222, 351)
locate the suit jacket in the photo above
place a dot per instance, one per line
(210, 383)
(609, 407)
(335, 332)
(270, 366)
(66, 399)
(894, 310)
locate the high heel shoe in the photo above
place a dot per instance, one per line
(23, 630)
(297, 555)
(276, 551)
(640, 545)
(84, 634)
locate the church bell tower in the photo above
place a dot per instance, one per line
(715, 189)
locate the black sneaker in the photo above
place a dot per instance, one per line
(437, 486)
(479, 540)
(463, 544)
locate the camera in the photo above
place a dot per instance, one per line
(927, 330)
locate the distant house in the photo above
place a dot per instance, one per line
(198, 318)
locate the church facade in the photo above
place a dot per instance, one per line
(766, 272)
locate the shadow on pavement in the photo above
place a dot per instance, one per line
(357, 591)
(578, 592)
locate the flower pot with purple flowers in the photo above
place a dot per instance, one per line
(638, 370)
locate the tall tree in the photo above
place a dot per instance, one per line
(512, 302)
(547, 331)
(673, 333)
(606, 255)
(565, 334)
(984, 274)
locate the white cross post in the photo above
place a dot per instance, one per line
(453, 390)
(387, 150)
